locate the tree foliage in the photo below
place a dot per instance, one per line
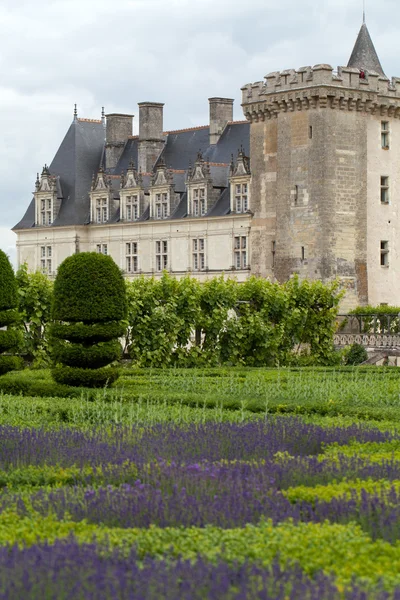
(9, 336)
(35, 292)
(255, 323)
(89, 305)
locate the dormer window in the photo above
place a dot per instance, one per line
(46, 211)
(101, 215)
(132, 208)
(161, 205)
(241, 198)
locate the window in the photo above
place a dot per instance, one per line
(162, 211)
(102, 249)
(310, 132)
(161, 255)
(132, 208)
(385, 134)
(296, 194)
(241, 198)
(273, 249)
(198, 255)
(240, 252)
(131, 253)
(46, 253)
(384, 253)
(384, 190)
(46, 211)
(303, 253)
(199, 202)
(101, 214)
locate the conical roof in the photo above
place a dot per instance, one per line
(364, 55)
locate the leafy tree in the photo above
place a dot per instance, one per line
(9, 337)
(34, 302)
(89, 309)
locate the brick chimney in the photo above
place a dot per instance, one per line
(118, 129)
(221, 112)
(151, 139)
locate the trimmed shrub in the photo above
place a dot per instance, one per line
(9, 338)
(88, 308)
(356, 355)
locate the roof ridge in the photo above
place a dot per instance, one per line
(186, 129)
(90, 120)
(237, 122)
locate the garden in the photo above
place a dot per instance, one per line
(190, 473)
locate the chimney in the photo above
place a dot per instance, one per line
(118, 129)
(151, 139)
(221, 112)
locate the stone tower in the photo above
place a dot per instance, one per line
(323, 146)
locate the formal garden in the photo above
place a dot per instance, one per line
(166, 439)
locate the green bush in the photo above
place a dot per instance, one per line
(356, 355)
(89, 288)
(95, 356)
(88, 308)
(79, 377)
(97, 332)
(9, 338)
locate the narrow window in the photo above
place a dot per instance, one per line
(198, 256)
(161, 255)
(296, 193)
(132, 257)
(384, 253)
(384, 190)
(303, 253)
(273, 250)
(310, 132)
(385, 134)
(240, 252)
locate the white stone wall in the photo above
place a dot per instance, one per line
(383, 221)
(218, 233)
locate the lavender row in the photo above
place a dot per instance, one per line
(211, 441)
(226, 502)
(68, 571)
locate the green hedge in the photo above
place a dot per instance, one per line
(80, 332)
(8, 317)
(79, 377)
(8, 286)
(10, 339)
(88, 357)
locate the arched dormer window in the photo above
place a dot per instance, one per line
(240, 176)
(47, 202)
(132, 198)
(100, 198)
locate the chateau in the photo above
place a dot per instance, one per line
(307, 184)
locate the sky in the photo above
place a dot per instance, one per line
(55, 53)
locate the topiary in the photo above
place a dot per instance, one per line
(9, 338)
(89, 306)
(356, 355)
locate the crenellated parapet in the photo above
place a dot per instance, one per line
(321, 87)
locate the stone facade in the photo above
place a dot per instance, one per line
(311, 189)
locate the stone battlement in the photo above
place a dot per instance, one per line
(319, 75)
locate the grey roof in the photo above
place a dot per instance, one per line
(222, 206)
(83, 150)
(76, 160)
(364, 55)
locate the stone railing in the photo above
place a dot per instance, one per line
(371, 331)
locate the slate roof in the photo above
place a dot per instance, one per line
(364, 55)
(83, 151)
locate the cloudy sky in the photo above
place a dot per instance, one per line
(97, 53)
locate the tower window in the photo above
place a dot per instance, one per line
(384, 253)
(310, 132)
(385, 134)
(273, 249)
(296, 194)
(303, 253)
(384, 190)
